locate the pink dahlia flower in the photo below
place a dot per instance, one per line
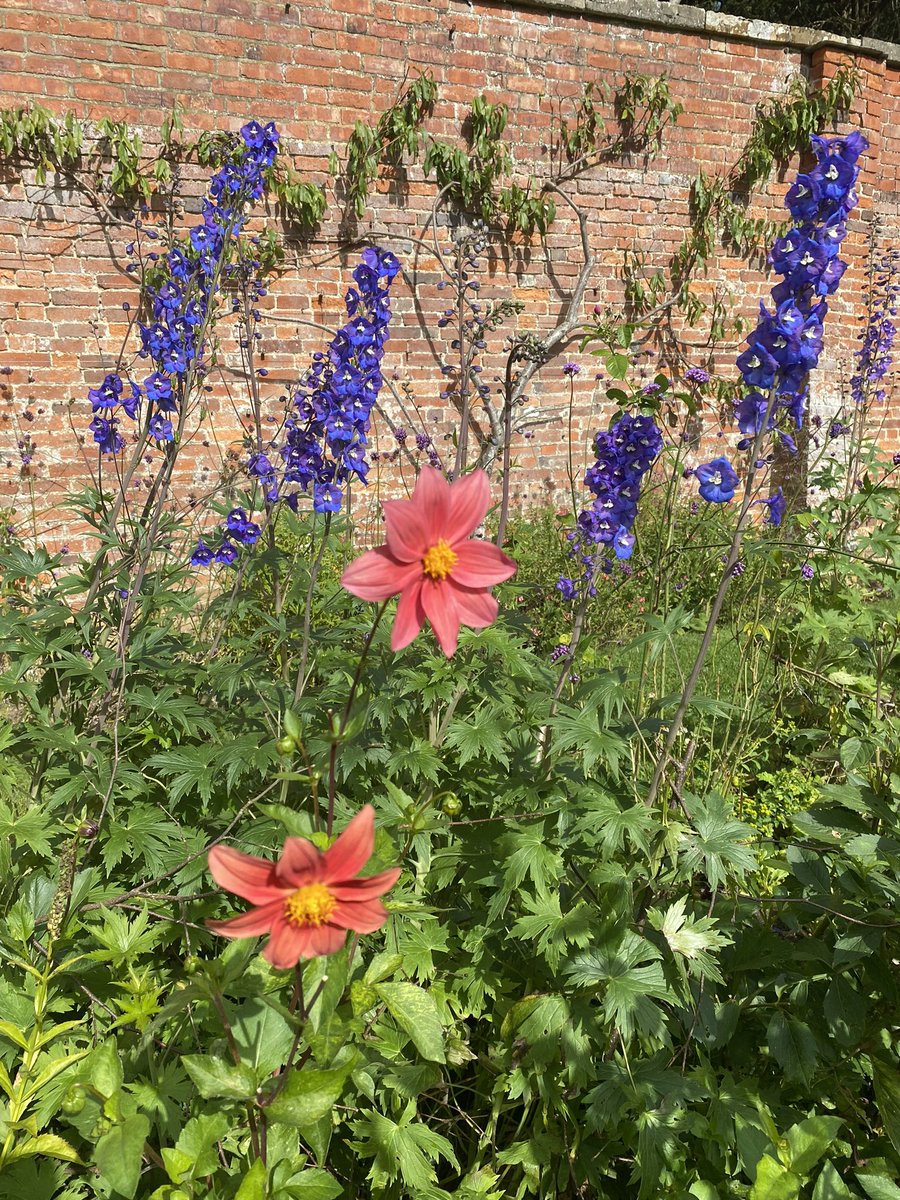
(307, 900)
(431, 559)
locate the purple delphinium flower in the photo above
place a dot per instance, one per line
(625, 452)
(326, 439)
(202, 556)
(180, 302)
(786, 344)
(873, 358)
(566, 587)
(226, 554)
(777, 506)
(718, 481)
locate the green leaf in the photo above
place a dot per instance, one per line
(195, 1154)
(878, 1187)
(253, 1185)
(807, 1141)
(262, 1035)
(118, 1154)
(106, 1069)
(845, 1011)
(693, 939)
(830, 1186)
(718, 845)
(383, 964)
(213, 1077)
(46, 1145)
(416, 1013)
(14, 1034)
(793, 1047)
(887, 1097)
(703, 1190)
(310, 1184)
(407, 1148)
(774, 1182)
(631, 981)
(308, 1096)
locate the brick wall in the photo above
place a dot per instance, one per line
(315, 69)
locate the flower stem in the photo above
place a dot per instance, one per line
(714, 612)
(345, 716)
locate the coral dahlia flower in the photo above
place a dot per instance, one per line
(431, 559)
(308, 899)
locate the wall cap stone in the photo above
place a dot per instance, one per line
(662, 15)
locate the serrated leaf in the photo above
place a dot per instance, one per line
(215, 1078)
(46, 1145)
(845, 1011)
(793, 1047)
(308, 1096)
(416, 1013)
(887, 1097)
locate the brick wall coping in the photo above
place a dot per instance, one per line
(693, 20)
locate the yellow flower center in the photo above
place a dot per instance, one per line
(309, 905)
(439, 560)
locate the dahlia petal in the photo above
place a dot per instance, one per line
(287, 945)
(407, 530)
(324, 939)
(352, 850)
(362, 916)
(410, 616)
(476, 609)
(377, 574)
(245, 875)
(299, 863)
(432, 498)
(440, 609)
(481, 565)
(249, 924)
(470, 497)
(369, 887)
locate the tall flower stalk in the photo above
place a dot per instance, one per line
(181, 295)
(781, 351)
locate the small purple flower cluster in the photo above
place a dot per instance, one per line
(696, 375)
(327, 434)
(238, 530)
(181, 301)
(873, 358)
(625, 453)
(786, 344)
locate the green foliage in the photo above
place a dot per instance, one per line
(782, 126)
(580, 988)
(396, 133)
